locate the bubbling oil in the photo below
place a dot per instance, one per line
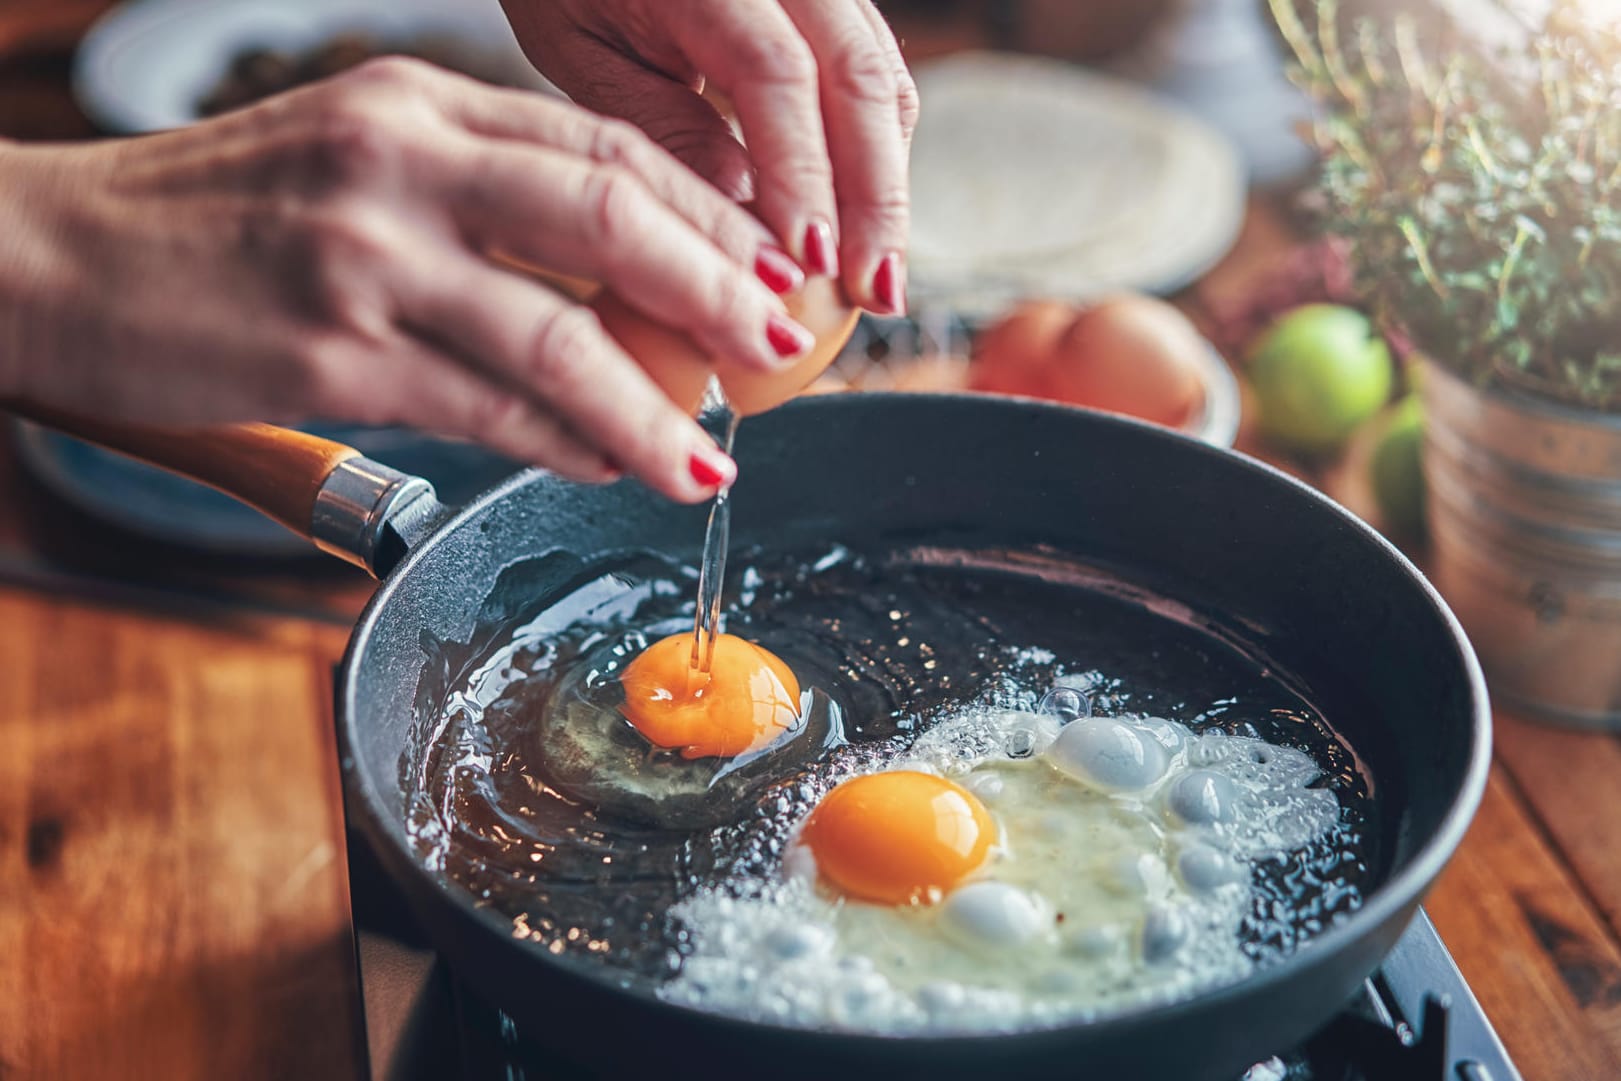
(530, 792)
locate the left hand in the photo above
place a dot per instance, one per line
(823, 98)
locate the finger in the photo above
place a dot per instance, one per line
(603, 223)
(405, 381)
(860, 97)
(751, 50)
(559, 354)
(908, 100)
(664, 108)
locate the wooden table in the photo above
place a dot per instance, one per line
(173, 895)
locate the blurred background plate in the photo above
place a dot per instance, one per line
(1035, 177)
(147, 64)
(159, 506)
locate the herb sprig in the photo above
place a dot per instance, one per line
(1480, 192)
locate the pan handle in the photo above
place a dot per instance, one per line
(329, 493)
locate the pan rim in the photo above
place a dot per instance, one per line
(1404, 888)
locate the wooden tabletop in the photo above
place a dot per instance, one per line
(173, 895)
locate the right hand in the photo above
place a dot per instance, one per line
(823, 100)
(325, 254)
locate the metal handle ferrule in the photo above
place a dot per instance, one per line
(356, 507)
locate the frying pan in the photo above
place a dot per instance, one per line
(1306, 584)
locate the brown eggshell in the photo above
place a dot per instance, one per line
(1133, 355)
(682, 369)
(821, 308)
(1015, 354)
(673, 360)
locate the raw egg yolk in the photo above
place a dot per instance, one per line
(745, 701)
(898, 837)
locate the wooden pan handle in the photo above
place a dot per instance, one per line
(277, 471)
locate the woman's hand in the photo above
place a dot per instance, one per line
(822, 96)
(324, 255)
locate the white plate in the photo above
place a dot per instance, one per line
(145, 65)
(1035, 177)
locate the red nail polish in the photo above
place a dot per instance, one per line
(820, 255)
(708, 471)
(778, 270)
(889, 284)
(787, 337)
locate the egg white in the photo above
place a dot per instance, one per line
(1121, 876)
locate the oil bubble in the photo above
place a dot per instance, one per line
(1204, 869)
(991, 915)
(1202, 797)
(1165, 930)
(1065, 703)
(1109, 754)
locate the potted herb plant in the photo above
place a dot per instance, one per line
(1479, 189)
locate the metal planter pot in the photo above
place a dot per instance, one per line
(1524, 508)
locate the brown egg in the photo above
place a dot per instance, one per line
(1133, 355)
(1014, 355)
(682, 369)
(930, 373)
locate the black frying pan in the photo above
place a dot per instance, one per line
(1310, 586)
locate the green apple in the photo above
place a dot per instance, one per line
(1318, 372)
(1397, 467)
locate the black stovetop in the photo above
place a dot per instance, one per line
(1415, 1019)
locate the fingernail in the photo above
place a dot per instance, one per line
(820, 255)
(889, 284)
(778, 270)
(712, 469)
(787, 337)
